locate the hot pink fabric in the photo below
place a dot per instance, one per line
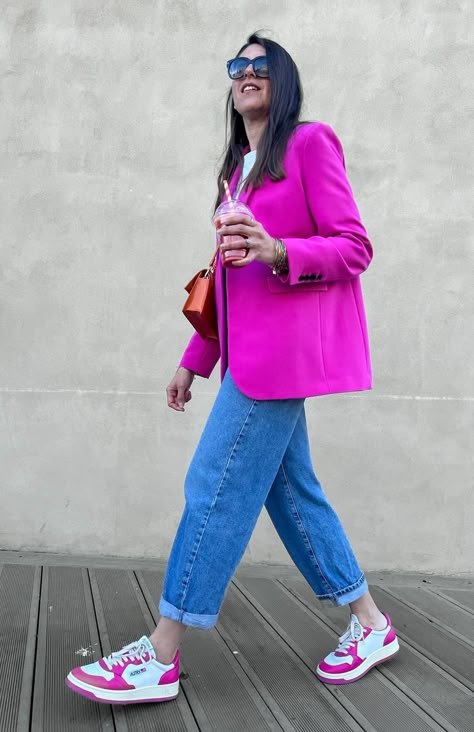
(391, 636)
(117, 683)
(306, 334)
(169, 677)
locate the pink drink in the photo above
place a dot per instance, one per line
(225, 209)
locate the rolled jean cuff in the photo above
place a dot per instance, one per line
(167, 610)
(346, 596)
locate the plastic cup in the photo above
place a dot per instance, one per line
(224, 211)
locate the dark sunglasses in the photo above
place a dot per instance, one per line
(236, 67)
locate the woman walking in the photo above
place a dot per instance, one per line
(291, 325)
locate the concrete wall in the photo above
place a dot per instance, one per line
(111, 126)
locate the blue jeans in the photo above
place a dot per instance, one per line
(253, 453)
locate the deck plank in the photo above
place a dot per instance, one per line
(26, 691)
(19, 591)
(438, 610)
(465, 598)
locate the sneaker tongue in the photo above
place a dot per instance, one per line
(144, 641)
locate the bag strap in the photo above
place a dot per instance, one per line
(212, 264)
(213, 260)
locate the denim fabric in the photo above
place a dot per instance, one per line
(253, 453)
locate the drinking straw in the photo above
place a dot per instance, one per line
(227, 193)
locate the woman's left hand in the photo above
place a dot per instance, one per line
(259, 244)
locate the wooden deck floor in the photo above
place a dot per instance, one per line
(253, 672)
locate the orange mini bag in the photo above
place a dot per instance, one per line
(200, 306)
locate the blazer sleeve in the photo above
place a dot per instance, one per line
(341, 249)
(201, 355)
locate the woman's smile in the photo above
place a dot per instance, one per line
(249, 88)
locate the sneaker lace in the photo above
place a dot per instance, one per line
(354, 633)
(132, 652)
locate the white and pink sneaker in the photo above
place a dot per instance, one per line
(129, 676)
(358, 651)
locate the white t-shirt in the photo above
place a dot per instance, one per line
(249, 160)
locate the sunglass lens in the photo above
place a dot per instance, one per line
(260, 66)
(237, 68)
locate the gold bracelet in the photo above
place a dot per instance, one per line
(280, 265)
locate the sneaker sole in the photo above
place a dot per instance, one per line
(167, 692)
(384, 654)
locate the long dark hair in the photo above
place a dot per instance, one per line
(284, 116)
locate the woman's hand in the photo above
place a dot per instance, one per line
(260, 245)
(177, 391)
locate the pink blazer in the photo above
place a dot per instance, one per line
(306, 334)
